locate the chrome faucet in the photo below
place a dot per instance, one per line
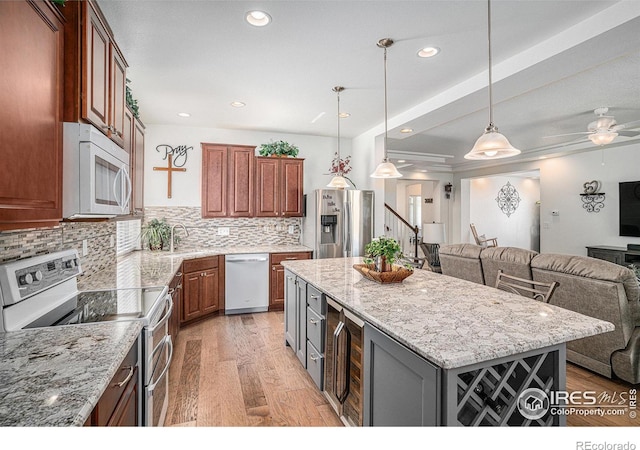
(172, 232)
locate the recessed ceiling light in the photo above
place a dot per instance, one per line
(401, 160)
(406, 130)
(342, 115)
(237, 104)
(184, 115)
(428, 52)
(258, 18)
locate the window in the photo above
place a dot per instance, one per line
(415, 210)
(128, 236)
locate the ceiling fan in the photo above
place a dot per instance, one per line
(604, 129)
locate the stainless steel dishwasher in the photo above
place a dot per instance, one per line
(246, 283)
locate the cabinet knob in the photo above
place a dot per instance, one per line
(313, 357)
(313, 321)
(273, 268)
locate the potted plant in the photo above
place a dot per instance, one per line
(278, 148)
(157, 233)
(383, 252)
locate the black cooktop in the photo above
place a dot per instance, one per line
(110, 305)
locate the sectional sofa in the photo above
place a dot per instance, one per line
(589, 286)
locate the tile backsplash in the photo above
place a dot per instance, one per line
(68, 235)
(205, 233)
(100, 236)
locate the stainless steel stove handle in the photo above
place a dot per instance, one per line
(166, 316)
(168, 342)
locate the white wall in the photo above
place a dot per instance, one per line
(519, 229)
(562, 181)
(317, 151)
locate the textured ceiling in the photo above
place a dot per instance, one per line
(554, 63)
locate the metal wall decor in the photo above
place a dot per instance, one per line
(508, 199)
(592, 198)
(173, 164)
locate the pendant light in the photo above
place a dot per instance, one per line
(338, 181)
(385, 169)
(491, 145)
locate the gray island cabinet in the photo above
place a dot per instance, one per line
(436, 350)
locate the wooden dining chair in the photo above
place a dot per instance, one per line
(528, 288)
(482, 240)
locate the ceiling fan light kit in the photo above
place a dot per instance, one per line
(385, 169)
(491, 145)
(602, 137)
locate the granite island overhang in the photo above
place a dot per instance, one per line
(476, 335)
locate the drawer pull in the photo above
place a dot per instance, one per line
(179, 274)
(314, 296)
(313, 357)
(126, 380)
(313, 321)
(291, 257)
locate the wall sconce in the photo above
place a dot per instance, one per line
(448, 190)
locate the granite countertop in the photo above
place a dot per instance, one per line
(146, 268)
(58, 380)
(449, 321)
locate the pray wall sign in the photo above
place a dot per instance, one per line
(176, 158)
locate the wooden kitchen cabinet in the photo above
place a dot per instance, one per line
(134, 145)
(95, 71)
(227, 180)
(119, 405)
(279, 187)
(137, 168)
(32, 74)
(277, 284)
(203, 285)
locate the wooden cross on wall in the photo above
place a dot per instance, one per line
(169, 169)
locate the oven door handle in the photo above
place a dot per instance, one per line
(166, 316)
(168, 342)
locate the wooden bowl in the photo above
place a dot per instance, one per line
(396, 275)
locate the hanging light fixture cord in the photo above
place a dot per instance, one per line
(338, 89)
(490, 64)
(385, 104)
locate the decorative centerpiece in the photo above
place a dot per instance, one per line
(278, 148)
(341, 166)
(380, 255)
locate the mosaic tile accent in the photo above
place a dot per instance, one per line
(203, 233)
(22, 244)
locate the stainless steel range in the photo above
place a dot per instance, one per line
(42, 291)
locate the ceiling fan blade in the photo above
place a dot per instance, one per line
(567, 134)
(402, 166)
(625, 125)
(628, 133)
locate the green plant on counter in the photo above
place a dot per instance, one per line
(388, 249)
(157, 234)
(278, 148)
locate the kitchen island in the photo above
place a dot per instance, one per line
(483, 346)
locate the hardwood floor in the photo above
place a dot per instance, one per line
(236, 371)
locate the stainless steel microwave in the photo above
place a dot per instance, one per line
(96, 182)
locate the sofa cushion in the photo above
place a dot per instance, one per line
(511, 260)
(595, 288)
(585, 266)
(462, 261)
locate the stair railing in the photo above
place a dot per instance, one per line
(397, 227)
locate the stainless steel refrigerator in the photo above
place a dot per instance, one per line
(343, 222)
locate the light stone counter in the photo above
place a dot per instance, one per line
(449, 321)
(146, 268)
(55, 376)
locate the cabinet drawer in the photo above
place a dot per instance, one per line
(112, 394)
(315, 365)
(277, 258)
(316, 300)
(315, 329)
(195, 265)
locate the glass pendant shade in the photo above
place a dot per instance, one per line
(338, 182)
(386, 169)
(492, 145)
(603, 138)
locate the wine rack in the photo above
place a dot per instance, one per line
(488, 395)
